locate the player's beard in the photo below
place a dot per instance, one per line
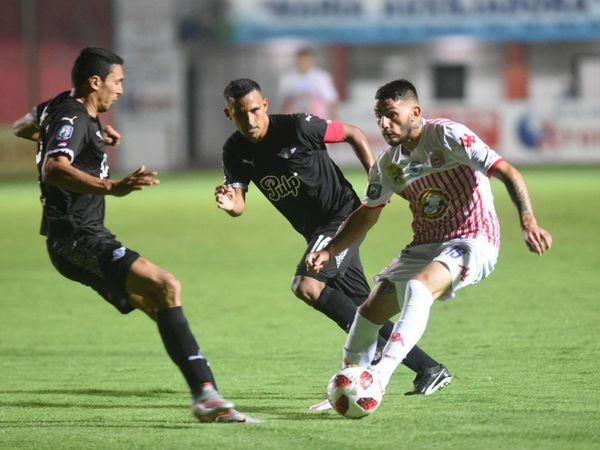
(398, 137)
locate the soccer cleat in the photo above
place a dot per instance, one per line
(234, 416)
(430, 380)
(378, 355)
(209, 404)
(321, 406)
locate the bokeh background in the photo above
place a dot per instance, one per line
(522, 74)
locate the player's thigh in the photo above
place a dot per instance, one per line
(382, 302)
(156, 286)
(100, 262)
(468, 261)
(436, 277)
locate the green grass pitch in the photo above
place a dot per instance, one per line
(523, 345)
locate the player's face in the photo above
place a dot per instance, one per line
(110, 89)
(250, 115)
(398, 120)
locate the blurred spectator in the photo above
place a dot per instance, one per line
(308, 88)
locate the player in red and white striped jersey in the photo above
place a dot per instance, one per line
(442, 168)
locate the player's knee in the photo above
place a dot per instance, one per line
(307, 289)
(168, 290)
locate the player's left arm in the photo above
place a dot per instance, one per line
(26, 128)
(111, 136)
(538, 240)
(342, 132)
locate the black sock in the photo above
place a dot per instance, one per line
(416, 359)
(337, 306)
(181, 345)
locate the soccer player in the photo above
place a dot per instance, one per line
(442, 169)
(74, 179)
(285, 157)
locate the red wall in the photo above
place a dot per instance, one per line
(62, 29)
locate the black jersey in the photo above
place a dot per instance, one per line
(66, 128)
(292, 168)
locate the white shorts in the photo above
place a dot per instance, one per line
(468, 260)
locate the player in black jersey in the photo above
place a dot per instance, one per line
(286, 158)
(74, 179)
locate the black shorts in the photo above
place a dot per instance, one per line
(100, 262)
(345, 272)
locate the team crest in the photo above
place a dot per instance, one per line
(396, 173)
(373, 191)
(433, 204)
(65, 133)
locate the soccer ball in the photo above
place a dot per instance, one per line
(354, 392)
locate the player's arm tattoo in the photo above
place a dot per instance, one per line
(517, 190)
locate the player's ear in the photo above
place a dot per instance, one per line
(416, 111)
(266, 104)
(94, 82)
(227, 113)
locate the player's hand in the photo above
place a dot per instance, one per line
(135, 181)
(225, 197)
(537, 239)
(315, 261)
(111, 136)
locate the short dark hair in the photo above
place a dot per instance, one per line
(396, 90)
(93, 61)
(305, 51)
(236, 89)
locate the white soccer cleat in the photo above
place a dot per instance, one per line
(234, 416)
(322, 406)
(208, 405)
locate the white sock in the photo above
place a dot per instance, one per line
(361, 342)
(408, 329)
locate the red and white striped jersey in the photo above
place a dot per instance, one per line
(445, 179)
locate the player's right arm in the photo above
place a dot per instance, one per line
(231, 200)
(355, 227)
(26, 128)
(59, 172)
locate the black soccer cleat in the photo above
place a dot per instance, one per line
(378, 355)
(430, 380)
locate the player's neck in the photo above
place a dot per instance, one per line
(90, 105)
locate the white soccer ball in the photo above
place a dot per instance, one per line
(355, 392)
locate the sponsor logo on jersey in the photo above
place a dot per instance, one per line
(287, 152)
(276, 188)
(118, 253)
(308, 117)
(71, 120)
(467, 140)
(65, 133)
(99, 134)
(61, 144)
(396, 173)
(400, 172)
(374, 190)
(248, 161)
(433, 204)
